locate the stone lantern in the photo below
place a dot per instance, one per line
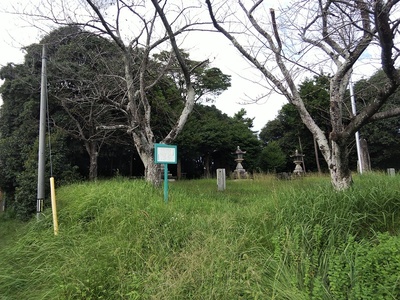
(239, 172)
(298, 159)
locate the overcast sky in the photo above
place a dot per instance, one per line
(15, 34)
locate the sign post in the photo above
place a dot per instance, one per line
(165, 154)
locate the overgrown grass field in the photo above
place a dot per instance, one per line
(259, 239)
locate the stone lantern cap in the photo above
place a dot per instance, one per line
(239, 153)
(297, 155)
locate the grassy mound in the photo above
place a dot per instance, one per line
(259, 239)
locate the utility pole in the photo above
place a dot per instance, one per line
(42, 136)
(354, 110)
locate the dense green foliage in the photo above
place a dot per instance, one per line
(209, 139)
(272, 158)
(259, 239)
(288, 131)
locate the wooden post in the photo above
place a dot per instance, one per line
(221, 179)
(53, 205)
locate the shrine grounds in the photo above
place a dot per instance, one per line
(261, 238)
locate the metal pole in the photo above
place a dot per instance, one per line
(42, 137)
(354, 110)
(166, 183)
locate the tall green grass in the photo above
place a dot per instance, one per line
(339, 243)
(259, 239)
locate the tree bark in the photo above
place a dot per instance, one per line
(365, 158)
(152, 171)
(339, 167)
(207, 173)
(91, 149)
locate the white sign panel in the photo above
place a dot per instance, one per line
(165, 154)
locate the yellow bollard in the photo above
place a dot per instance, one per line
(53, 205)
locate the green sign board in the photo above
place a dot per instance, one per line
(165, 154)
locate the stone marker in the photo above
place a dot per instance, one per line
(391, 172)
(221, 179)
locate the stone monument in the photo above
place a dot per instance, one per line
(240, 172)
(298, 160)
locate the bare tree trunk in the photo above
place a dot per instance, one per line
(137, 56)
(93, 166)
(91, 149)
(2, 204)
(152, 171)
(366, 160)
(339, 167)
(207, 173)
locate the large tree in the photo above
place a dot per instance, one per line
(85, 79)
(310, 36)
(81, 73)
(139, 30)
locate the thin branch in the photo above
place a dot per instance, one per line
(246, 54)
(117, 39)
(172, 35)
